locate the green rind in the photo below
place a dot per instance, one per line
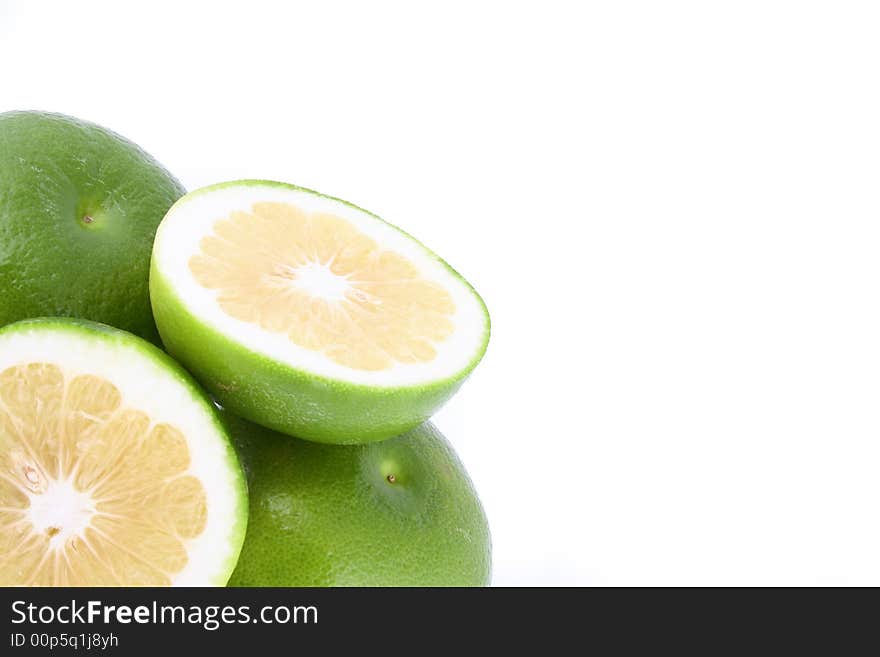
(94, 331)
(290, 400)
(326, 515)
(54, 169)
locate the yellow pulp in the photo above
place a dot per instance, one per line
(325, 285)
(91, 493)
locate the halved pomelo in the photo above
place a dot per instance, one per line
(309, 315)
(114, 468)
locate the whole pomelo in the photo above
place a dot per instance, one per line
(79, 208)
(402, 512)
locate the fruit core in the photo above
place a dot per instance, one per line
(92, 492)
(317, 280)
(326, 285)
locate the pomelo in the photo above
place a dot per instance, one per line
(402, 512)
(79, 207)
(114, 467)
(309, 315)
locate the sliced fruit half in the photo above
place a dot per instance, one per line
(114, 469)
(309, 315)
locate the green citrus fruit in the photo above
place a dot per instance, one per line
(402, 512)
(79, 207)
(114, 467)
(309, 315)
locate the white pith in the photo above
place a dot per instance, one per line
(61, 509)
(316, 279)
(149, 387)
(194, 216)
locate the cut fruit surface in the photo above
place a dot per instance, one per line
(311, 307)
(114, 470)
(328, 287)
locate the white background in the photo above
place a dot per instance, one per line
(670, 208)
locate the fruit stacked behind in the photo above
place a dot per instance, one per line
(337, 332)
